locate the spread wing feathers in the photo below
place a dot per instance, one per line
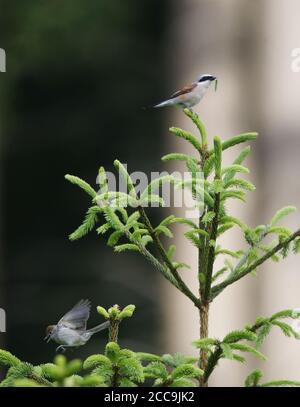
(184, 90)
(77, 317)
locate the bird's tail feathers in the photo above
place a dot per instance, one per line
(164, 103)
(99, 328)
(160, 104)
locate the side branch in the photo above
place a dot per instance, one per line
(220, 287)
(216, 355)
(180, 283)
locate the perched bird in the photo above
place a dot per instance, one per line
(190, 95)
(70, 331)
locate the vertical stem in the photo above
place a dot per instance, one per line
(211, 249)
(204, 313)
(114, 330)
(205, 253)
(207, 256)
(204, 309)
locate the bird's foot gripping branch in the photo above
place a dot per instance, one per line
(122, 216)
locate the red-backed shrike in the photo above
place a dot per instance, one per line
(189, 95)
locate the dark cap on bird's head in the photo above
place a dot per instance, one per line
(206, 77)
(49, 331)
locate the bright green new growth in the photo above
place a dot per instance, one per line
(122, 216)
(129, 228)
(115, 316)
(254, 378)
(117, 367)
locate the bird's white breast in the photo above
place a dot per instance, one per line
(67, 336)
(200, 90)
(192, 98)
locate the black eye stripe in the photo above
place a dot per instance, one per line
(206, 78)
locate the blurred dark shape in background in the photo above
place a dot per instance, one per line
(78, 74)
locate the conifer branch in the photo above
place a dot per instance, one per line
(211, 252)
(216, 290)
(215, 221)
(186, 136)
(234, 337)
(180, 283)
(138, 230)
(200, 125)
(158, 265)
(245, 256)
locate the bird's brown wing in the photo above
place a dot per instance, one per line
(77, 317)
(184, 90)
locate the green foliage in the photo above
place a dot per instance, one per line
(55, 374)
(138, 235)
(281, 214)
(147, 357)
(8, 359)
(186, 136)
(176, 157)
(173, 371)
(263, 326)
(234, 341)
(218, 156)
(205, 343)
(25, 371)
(127, 312)
(235, 336)
(81, 184)
(88, 224)
(238, 161)
(123, 172)
(254, 380)
(177, 360)
(122, 218)
(117, 367)
(246, 348)
(115, 313)
(241, 138)
(61, 369)
(225, 348)
(200, 126)
(262, 333)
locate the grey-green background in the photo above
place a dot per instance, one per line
(78, 75)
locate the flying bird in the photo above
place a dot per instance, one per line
(190, 95)
(70, 331)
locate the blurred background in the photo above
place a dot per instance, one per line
(78, 75)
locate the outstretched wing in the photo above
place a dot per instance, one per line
(184, 90)
(77, 317)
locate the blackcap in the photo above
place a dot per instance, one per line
(70, 331)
